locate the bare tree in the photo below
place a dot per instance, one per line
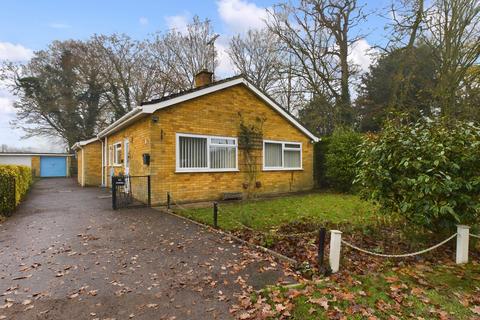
(319, 34)
(291, 90)
(185, 52)
(127, 70)
(453, 31)
(406, 27)
(261, 57)
(257, 55)
(407, 19)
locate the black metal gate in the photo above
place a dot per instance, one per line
(131, 191)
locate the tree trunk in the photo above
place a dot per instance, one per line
(345, 106)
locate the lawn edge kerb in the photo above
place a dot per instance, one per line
(277, 255)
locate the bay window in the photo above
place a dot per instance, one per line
(280, 155)
(206, 153)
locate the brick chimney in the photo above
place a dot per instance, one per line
(203, 77)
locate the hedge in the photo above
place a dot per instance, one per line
(427, 170)
(335, 159)
(23, 180)
(320, 149)
(341, 158)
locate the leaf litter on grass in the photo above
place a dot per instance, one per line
(406, 292)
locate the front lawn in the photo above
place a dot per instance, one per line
(429, 286)
(263, 215)
(289, 225)
(416, 292)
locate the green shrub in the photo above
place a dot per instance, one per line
(23, 180)
(341, 158)
(320, 149)
(429, 171)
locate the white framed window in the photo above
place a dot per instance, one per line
(200, 153)
(282, 155)
(117, 153)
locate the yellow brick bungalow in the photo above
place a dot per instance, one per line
(89, 162)
(218, 138)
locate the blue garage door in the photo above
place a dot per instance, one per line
(53, 167)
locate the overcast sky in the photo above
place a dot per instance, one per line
(27, 26)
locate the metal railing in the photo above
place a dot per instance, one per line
(131, 191)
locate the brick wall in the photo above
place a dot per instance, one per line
(78, 155)
(36, 166)
(218, 114)
(92, 153)
(92, 166)
(138, 135)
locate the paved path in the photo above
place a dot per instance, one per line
(66, 255)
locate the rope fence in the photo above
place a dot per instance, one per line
(462, 239)
(462, 235)
(404, 255)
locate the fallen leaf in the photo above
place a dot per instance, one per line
(6, 305)
(244, 316)
(323, 302)
(280, 307)
(73, 296)
(22, 277)
(476, 310)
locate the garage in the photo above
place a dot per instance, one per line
(42, 164)
(23, 160)
(53, 166)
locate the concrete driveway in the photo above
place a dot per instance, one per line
(66, 255)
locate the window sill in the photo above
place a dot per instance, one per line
(282, 169)
(205, 170)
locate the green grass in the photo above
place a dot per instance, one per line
(267, 214)
(425, 292)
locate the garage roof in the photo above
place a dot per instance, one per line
(52, 154)
(83, 143)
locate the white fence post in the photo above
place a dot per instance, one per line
(463, 233)
(335, 246)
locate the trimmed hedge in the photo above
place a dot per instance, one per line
(341, 158)
(23, 180)
(335, 160)
(320, 149)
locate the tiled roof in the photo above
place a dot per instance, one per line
(181, 93)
